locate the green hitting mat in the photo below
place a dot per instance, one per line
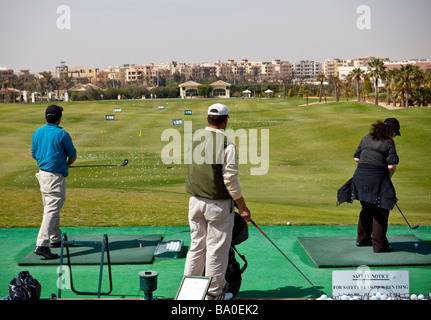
(407, 250)
(131, 249)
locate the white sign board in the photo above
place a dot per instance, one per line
(193, 288)
(366, 282)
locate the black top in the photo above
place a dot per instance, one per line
(377, 152)
(371, 182)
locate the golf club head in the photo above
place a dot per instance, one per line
(125, 162)
(415, 227)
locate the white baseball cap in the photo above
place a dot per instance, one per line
(218, 109)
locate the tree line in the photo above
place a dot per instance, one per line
(404, 86)
(407, 86)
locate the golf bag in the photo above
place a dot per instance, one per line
(24, 287)
(234, 270)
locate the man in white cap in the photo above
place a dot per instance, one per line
(212, 182)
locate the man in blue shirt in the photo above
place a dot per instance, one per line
(54, 152)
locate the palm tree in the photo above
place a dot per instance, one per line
(321, 78)
(48, 82)
(347, 89)
(356, 74)
(306, 94)
(64, 84)
(336, 80)
(376, 70)
(31, 86)
(5, 85)
(409, 78)
(389, 84)
(427, 77)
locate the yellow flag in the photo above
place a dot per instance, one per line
(140, 133)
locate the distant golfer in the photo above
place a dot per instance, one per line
(54, 152)
(212, 181)
(371, 184)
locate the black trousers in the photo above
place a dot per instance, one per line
(372, 227)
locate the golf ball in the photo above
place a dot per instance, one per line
(288, 223)
(413, 297)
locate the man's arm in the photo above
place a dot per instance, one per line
(243, 210)
(70, 161)
(230, 177)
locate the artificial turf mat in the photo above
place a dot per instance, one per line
(128, 249)
(268, 275)
(343, 252)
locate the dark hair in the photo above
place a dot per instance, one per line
(53, 113)
(52, 118)
(382, 130)
(216, 120)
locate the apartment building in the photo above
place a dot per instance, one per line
(136, 73)
(284, 69)
(7, 74)
(307, 69)
(114, 74)
(77, 74)
(331, 66)
(84, 74)
(224, 70)
(362, 61)
(26, 76)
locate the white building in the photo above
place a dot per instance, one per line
(343, 72)
(306, 69)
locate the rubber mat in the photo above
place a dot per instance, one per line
(132, 249)
(407, 250)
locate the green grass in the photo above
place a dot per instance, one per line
(311, 156)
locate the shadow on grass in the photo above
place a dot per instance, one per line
(284, 292)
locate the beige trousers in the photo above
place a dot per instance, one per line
(211, 223)
(53, 189)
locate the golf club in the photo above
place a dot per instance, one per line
(285, 256)
(125, 162)
(414, 227)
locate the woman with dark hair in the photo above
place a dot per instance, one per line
(371, 184)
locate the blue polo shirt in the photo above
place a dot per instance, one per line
(50, 146)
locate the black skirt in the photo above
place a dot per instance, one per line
(370, 184)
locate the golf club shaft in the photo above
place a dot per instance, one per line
(95, 165)
(285, 256)
(415, 227)
(125, 162)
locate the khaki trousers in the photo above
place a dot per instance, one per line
(211, 223)
(53, 189)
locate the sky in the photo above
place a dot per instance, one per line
(36, 35)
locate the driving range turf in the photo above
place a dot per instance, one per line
(310, 156)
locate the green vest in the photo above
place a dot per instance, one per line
(205, 176)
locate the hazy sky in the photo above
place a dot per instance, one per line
(113, 32)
